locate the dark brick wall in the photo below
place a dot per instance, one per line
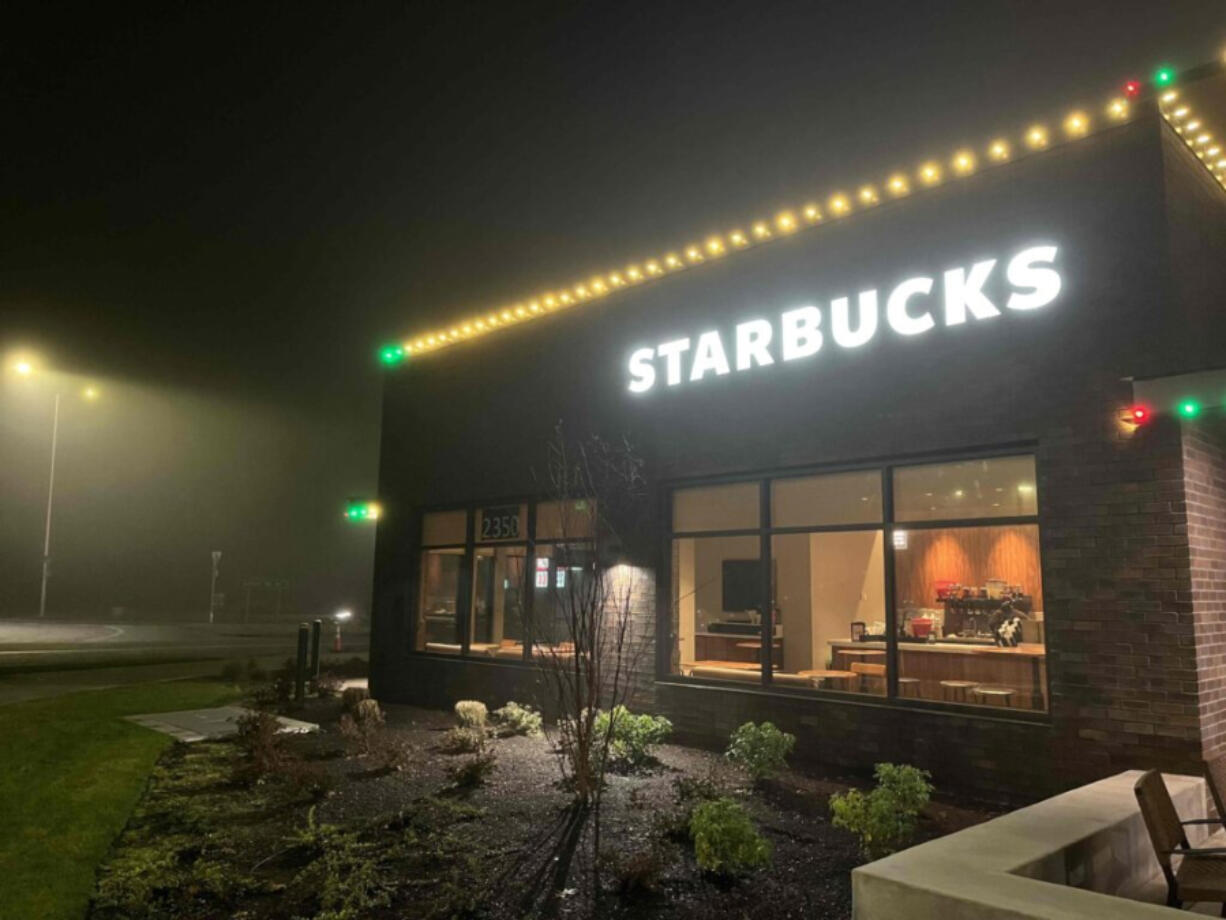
(1204, 460)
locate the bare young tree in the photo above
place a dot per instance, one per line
(590, 643)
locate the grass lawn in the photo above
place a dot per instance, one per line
(71, 770)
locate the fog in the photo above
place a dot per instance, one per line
(150, 480)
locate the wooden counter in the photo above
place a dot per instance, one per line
(1022, 668)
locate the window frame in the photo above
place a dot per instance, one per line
(464, 601)
(887, 525)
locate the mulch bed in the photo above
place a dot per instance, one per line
(509, 848)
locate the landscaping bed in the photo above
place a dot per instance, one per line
(334, 834)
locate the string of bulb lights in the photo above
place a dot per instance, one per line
(1037, 137)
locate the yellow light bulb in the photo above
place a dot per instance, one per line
(1193, 125)
(430, 340)
(653, 267)
(693, 254)
(564, 298)
(1213, 151)
(760, 230)
(785, 221)
(1117, 109)
(467, 329)
(813, 213)
(930, 173)
(1170, 96)
(480, 324)
(455, 333)
(998, 150)
(1180, 113)
(715, 246)
(737, 238)
(1077, 124)
(549, 302)
(616, 280)
(963, 162)
(1036, 137)
(633, 273)
(898, 185)
(672, 260)
(506, 315)
(839, 205)
(580, 291)
(867, 195)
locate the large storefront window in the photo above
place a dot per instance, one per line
(964, 623)
(502, 589)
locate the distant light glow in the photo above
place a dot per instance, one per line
(1132, 89)
(1189, 408)
(343, 615)
(1164, 76)
(90, 393)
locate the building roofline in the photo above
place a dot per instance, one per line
(1160, 95)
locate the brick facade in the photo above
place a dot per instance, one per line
(1204, 460)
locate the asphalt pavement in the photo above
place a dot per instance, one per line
(41, 658)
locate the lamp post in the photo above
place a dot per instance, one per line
(55, 434)
(25, 367)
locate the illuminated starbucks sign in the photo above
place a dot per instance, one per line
(912, 308)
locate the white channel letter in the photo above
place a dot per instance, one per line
(839, 309)
(963, 292)
(802, 336)
(709, 356)
(753, 339)
(671, 353)
(1043, 282)
(642, 371)
(896, 307)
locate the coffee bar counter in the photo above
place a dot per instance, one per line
(954, 671)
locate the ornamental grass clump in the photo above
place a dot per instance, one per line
(760, 750)
(631, 737)
(471, 714)
(884, 820)
(725, 840)
(515, 719)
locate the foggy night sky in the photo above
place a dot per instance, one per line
(219, 211)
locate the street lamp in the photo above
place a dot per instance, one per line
(26, 367)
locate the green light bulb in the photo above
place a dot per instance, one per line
(1189, 408)
(391, 354)
(1164, 76)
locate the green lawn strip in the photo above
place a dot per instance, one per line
(71, 771)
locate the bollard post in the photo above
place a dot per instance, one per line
(316, 628)
(300, 669)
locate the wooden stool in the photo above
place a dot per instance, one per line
(994, 696)
(909, 687)
(957, 691)
(872, 677)
(857, 654)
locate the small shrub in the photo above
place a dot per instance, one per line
(760, 750)
(388, 752)
(725, 839)
(462, 741)
(471, 713)
(363, 725)
(351, 696)
(326, 685)
(884, 820)
(638, 873)
(519, 720)
(258, 737)
(472, 772)
(631, 737)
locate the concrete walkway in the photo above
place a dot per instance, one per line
(209, 724)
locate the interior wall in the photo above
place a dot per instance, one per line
(685, 601)
(847, 583)
(969, 556)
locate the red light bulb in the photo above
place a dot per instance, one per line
(1132, 89)
(1138, 414)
